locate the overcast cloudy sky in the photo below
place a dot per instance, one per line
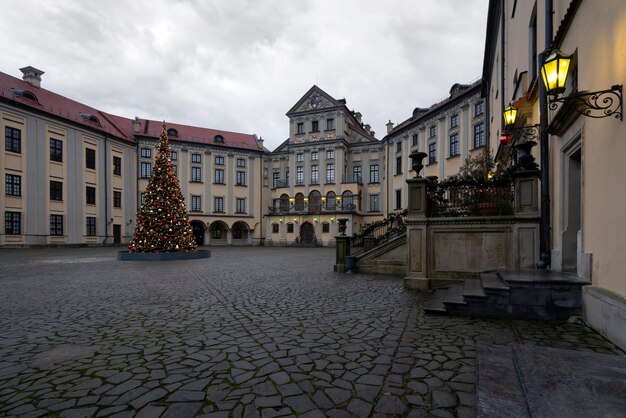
(240, 65)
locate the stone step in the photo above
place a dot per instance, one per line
(435, 305)
(472, 288)
(492, 281)
(454, 295)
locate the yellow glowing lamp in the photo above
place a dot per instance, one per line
(323, 198)
(339, 198)
(306, 199)
(510, 114)
(490, 175)
(554, 72)
(292, 199)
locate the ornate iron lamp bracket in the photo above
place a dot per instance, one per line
(527, 133)
(595, 104)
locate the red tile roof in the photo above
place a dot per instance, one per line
(117, 126)
(188, 133)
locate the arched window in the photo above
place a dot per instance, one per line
(172, 132)
(331, 201)
(299, 201)
(315, 201)
(284, 202)
(89, 118)
(218, 138)
(347, 200)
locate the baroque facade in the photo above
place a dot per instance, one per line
(73, 174)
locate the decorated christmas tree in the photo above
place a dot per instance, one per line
(162, 223)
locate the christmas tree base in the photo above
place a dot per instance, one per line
(191, 255)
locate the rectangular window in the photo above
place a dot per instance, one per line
(330, 124)
(117, 166)
(315, 174)
(299, 157)
(196, 158)
(196, 174)
(479, 135)
(325, 227)
(374, 203)
(398, 165)
(454, 121)
(299, 175)
(56, 224)
(12, 223)
(56, 190)
(91, 226)
(56, 150)
(330, 173)
(415, 140)
(241, 162)
(432, 152)
(398, 199)
(241, 178)
(300, 128)
(90, 158)
(146, 152)
(173, 155)
(240, 205)
(12, 185)
(357, 176)
(219, 176)
(196, 203)
(275, 180)
(218, 204)
(314, 126)
(141, 198)
(274, 228)
(290, 228)
(12, 140)
(398, 146)
(330, 154)
(314, 155)
(117, 199)
(146, 170)
(219, 160)
(479, 108)
(90, 195)
(454, 145)
(432, 131)
(374, 173)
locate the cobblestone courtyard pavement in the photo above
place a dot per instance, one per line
(249, 332)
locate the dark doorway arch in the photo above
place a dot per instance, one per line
(240, 233)
(218, 230)
(307, 232)
(198, 229)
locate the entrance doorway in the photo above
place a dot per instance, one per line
(571, 237)
(117, 234)
(306, 232)
(198, 232)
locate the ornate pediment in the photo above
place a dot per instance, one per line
(314, 100)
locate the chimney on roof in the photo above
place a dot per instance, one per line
(32, 76)
(136, 125)
(389, 126)
(260, 142)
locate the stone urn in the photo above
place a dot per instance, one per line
(342, 225)
(417, 163)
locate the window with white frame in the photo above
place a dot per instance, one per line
(432, 131)
(219, 176)
(196, 158)
(241, 162)
(196, 174)
(240, 205)
(479, 108)
(454, 121)
(90, 226)
(12, 223)
(299, 175)
(241, 178)
(12, 185)
(146, 170)
(173, 155)
(314, 155)
(146, 153)
(432, 152)
(196, 203)
(330, 173)
(299, 157)
(374, 173)
(374, 203)
(315, 174)
(56, 224)
(330, 154)
(218, 204)
(219, 160)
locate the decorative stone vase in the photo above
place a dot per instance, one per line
(417, 164)
(342, 225)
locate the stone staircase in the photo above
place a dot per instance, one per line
(522, 294)
(388, 258)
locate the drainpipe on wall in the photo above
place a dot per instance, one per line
(502, 66)
(106, 193)
(544, 245)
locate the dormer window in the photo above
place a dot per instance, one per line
(218, 138)
(24, 94)
(172, 132)
(89, 118)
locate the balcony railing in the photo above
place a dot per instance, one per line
(463, 199)
(277, 184)
(347, 206)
